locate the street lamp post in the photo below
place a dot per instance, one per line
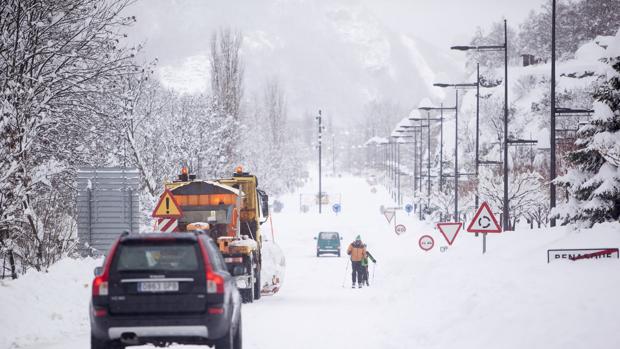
(428, 121)
(319, 118)
(504, 47)
(552, 160)
(415, 129)
(456, 172)
(428, 154)
(456, 156)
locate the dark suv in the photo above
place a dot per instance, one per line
(164, 288)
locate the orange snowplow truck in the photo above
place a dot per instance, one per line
(231, 211)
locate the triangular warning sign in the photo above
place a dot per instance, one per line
(388, 215)
(484, 221)
(167, 207)
(449, 230)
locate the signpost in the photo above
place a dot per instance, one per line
(582, 253)
(400, 229)
(167, 211)
(426, 242)
(484, 221)
(336, 208)
(449, 230)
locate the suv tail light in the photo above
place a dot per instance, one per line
(100, 286)
(215, 282)
(100, 283)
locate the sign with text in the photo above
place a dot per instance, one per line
(400, 229)
(582, 253)
(426, 242)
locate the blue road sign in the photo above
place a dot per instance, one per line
(336, 208)
(408, 208)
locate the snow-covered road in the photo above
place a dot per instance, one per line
(508, 298)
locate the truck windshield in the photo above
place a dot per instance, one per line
(217, 214)
(329, 236)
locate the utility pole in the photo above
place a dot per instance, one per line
(398, 169)
(415, 162)
(456, 157)
(477, 131)
(333, 153)
(490, 48)
(428, 160)
(441, 147)
(506, 203)
(552, 160)
(319, 118)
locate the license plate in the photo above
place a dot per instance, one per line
(158, 286)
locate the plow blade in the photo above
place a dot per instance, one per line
(273, 268)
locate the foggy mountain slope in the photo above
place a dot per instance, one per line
(327, 54)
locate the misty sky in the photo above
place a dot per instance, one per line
(284, 37)
(173, 27)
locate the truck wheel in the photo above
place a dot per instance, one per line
(247, 295)
(257, 285)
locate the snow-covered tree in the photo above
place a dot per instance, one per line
(525, 192)
(576, 23)
(227, 74)
(271, 148)
(60, 61)
(593, 182)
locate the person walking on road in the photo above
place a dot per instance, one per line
(365, 267)
(357, 251)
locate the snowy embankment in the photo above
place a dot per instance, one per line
(507, 298)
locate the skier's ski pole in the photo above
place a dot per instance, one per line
(373, 272)
(345, 273)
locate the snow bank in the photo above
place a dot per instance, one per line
(40, 308)
(508, 298)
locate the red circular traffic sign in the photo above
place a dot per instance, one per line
(426, 242)
(400, 229)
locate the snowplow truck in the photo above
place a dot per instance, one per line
(231, 211)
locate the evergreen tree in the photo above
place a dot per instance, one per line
(594, 179)
(577, 23)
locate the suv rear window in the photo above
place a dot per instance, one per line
(157, 256)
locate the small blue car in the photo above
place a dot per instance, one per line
(328, 242)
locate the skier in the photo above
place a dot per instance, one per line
(357, 251)
(365, 266)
